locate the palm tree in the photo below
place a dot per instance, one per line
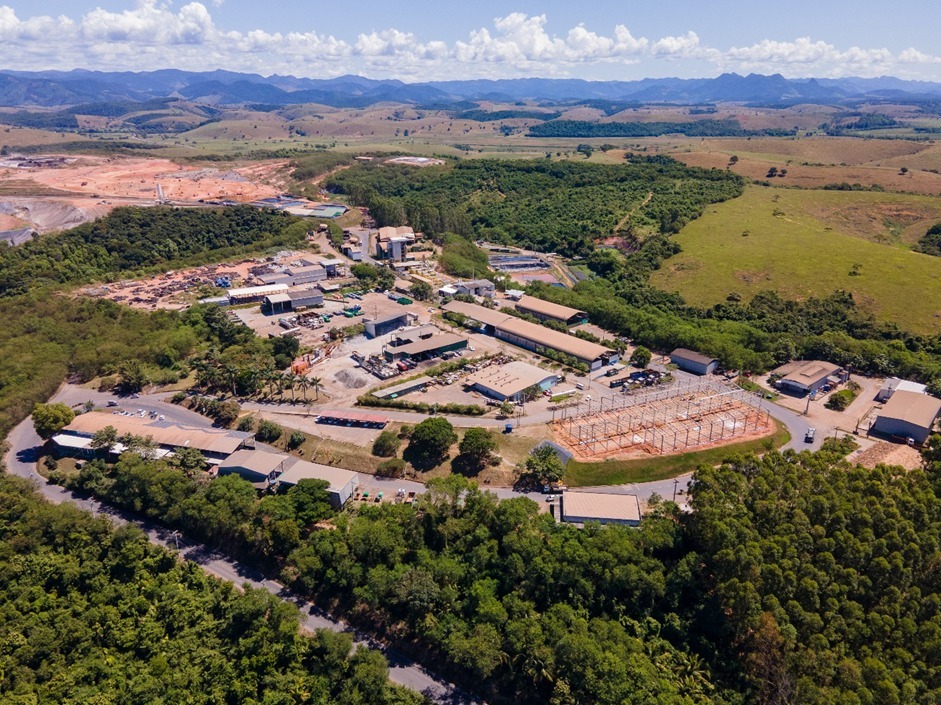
(292, 380)
(315, 383)
(304, 383)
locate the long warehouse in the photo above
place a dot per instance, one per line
(533, 336)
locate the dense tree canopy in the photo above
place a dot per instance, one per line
(137, 239)
(93, 615)
(549, 206)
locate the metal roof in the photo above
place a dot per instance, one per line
(257, 290)
(692, 356)
(600, 506)
(387, 318)
(402, 388)
(423, 345)
(278, 298)
(211, 440)
(912, 407)
(360, 416)
(533, 332)
(257, 461)
(305, 470)
(548, 308)
(511, 378)
(807, 372)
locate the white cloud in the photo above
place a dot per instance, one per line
(156, 33)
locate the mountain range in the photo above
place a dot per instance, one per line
(62, 88)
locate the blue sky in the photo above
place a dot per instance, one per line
(422, 40)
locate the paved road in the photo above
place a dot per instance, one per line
(21, 461)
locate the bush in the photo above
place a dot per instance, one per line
(268, 432)
(246, 424)
(641, 357)
(296, 439)
(393, 467)
(838, 401)
(386, 444)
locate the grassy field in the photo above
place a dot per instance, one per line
(619, 472)
(806, 243)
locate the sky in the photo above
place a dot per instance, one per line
(418, 40)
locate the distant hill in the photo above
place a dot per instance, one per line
(64, 88)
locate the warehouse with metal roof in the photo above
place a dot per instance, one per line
(549, 311)
(509, 381)
(908, 415)
(533, 336)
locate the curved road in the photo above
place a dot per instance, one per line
(21, 461)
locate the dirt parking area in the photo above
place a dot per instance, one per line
(884, 453)
(828, 420)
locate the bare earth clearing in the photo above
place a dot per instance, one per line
(53, 198)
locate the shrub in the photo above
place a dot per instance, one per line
(393, 467)
(246, 424)
(386, 444)
(838, 401)
(268, 432)
(296, 439)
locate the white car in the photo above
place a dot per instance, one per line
(551, 497)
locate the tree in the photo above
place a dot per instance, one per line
(507, 408)
(105, 439)
(296, 439)
(49, 419)
(641, 357)
(315, 382)
(476, 448)
(189, 460)
(544, 463)
(386, 444)
(268, 431)
(430, 442)
(772, 172)
(246, 424)
(422, 291)
(133, 376)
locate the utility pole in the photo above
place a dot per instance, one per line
(675, 483)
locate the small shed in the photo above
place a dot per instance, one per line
(694, 362)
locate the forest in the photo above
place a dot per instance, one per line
(799, 578)
(549, 206)
(695, 128)
(93, 614)
(135, 240)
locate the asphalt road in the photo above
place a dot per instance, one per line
(21, 461)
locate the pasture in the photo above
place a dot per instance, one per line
(810, 243)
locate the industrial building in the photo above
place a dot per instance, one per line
(392, 242)
(333, 267)
(354, 251)
(258, 467)
(908, 415)
(422, 343)
(292, 301)
(254, 294)
(694, 362)
(376, 327)
(895, 384)
(805, 376)
(476, 287)
(264, 469)
(549, 311)
(509, 381)
(399, 390)
(215, 444)
(605, 508)
(532, 336)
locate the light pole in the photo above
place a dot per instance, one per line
(675, 483)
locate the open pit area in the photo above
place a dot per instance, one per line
(57, 192)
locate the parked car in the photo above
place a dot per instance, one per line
(112, 402)
(809, 436)
(551, 497)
